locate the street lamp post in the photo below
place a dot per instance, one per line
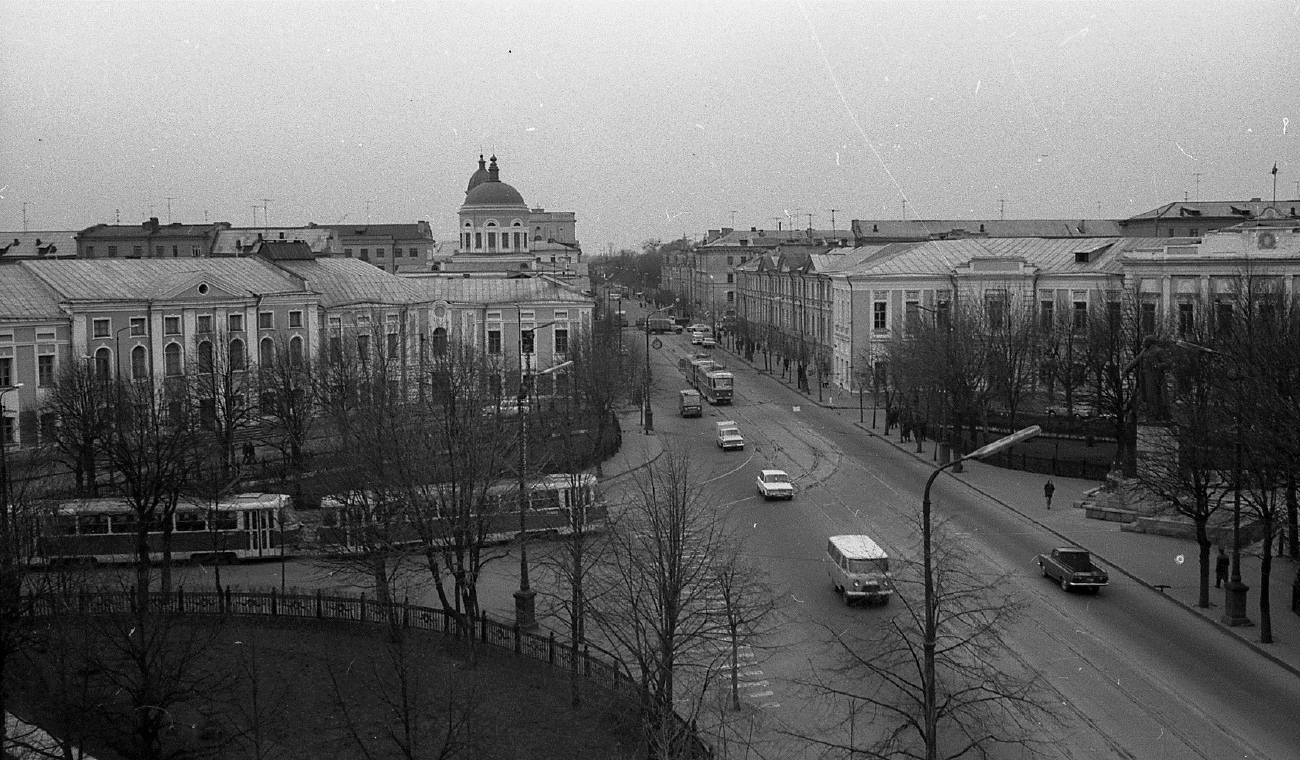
(931, 717)
(1234, 591)
(6, 534)
(648, 415)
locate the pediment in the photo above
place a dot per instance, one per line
(197, 286)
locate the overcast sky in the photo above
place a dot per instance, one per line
(648, 120)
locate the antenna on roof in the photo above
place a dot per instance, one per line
(170, 198)
(368, 211)
(25, 214)
(265, 223)
(833, 227)
(1002, 208)
(733, 219)
(1197, 175)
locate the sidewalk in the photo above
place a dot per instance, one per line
(1168, 565)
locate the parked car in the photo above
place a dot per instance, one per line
(1072, 567)
(859, 569)
(775, 484)
(697, 338)
(708, 342)
(729, 436)
(697, 327)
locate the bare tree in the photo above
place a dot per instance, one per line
(287, 403)
(654, 596)
(79, 402)
(985, 697)
(223, 388)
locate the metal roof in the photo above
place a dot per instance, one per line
(922, 229)
(23, 296)
(1056, 255)
(497, 290)
(39, 244)
(344, 282)
(146, 279)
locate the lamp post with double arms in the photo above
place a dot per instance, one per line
(931, 705)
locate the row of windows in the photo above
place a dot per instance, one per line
(173, 358)
(102, 327)
(521, 241)
(44, 371)
(560, 343)
(382, 253)
(137, 251)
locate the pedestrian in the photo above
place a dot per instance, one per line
(1049, 488)
(1221, 564)
(250, 453)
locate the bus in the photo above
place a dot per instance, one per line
(349, 521)
(243, 526)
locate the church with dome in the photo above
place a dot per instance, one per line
(499, 234)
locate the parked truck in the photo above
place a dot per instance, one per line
(1072, 567)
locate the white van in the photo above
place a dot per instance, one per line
(859, 569)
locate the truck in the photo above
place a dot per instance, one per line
(691, 405)
(1072, 567)
(662, 325)
(729, 436)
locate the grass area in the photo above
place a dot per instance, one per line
(280, 690)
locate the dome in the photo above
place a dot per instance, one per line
(478, 177)
(490, 190)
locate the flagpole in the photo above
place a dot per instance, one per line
(1274, 183)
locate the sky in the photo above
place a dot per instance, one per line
(650, 120)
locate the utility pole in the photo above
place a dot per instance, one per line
(265, 219)
(24, 216)
(733, 220)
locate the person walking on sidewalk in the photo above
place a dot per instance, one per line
(1221, 565)
(1049, 488)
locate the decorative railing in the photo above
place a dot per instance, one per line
(605, 672)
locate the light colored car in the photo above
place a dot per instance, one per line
(775, 484)
(707, 342)
(697, 327)
(697, 338)
(729, 436)
(859, 569)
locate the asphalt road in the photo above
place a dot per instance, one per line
(1133, 673)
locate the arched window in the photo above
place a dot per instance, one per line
(440, 340)
(139, 366)
(205, 356)
(103, 363)
(238, 361)
(172, 360)
(266, 352)
(295, 351)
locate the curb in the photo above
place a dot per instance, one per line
(1214, 624)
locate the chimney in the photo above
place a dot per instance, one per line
(151, 225)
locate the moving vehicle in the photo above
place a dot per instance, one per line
(698, 328)
(697, 337)
(620, 318)
(708, 342)
(691, 405)
(859, 569)
(711, 379)
(358, 521)
(1072, 567)
(243, 526)
(662, 325)
(729, 436)
(775, 484)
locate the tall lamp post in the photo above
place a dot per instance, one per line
(5, 528)
(525, 597)
(1234, 591)
(648, 415)
(931, 624)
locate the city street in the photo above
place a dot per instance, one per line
(1133, 674)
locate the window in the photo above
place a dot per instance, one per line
(172, 360)
(1186, 318)
(139, 367)
(879, 315)
(194, 251)
(295, 351)
(235, 322)
(1047, 314)
(730, 260)
(730, 278)
(526, 342)
(392, 345)
(205, 323)
(205, 357)
(478, 239)
(414, 252)
(136, 251)
(1080, 321)
(561, 340)
(440, 340)
(112, 251)
(137, 326)
(1113, 316)
(176, 251)
(49, 426)
(103, 328)
(295, 319)
(347, 252)
(492, 241)
(1223, 316)
(365, 254)
(45, 370)
(171, 325)
(158, 250)
(6, 372)
(363, 347)
(494, 341)
(1193, 232)
(238, 357)
(266, 352)
(103, 364)
(1148, 318)
(8, 430)
(265, 320)
(379, 253)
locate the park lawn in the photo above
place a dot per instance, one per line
(327, 687)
